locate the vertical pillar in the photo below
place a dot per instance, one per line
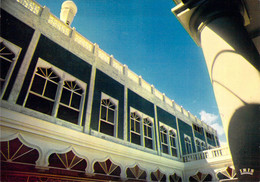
(24, 67)
(234, 69)
(125, 72)
(91, 92)
(157, 131)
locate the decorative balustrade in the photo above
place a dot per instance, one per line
(31, 5)
(168, 101)
(59, 25)
(117, 65)
(178, 108)
(185, 112)
(158, 94)
(207, 154)
(83, 42)
(133, 76)
(146, 86)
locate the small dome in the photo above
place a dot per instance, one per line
(70, 5)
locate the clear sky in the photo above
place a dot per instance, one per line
(148, 38)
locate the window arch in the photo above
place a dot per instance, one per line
(9, 53)
(43, 90)
(70, 101)
(60, 95)
(107, 122)
(188, 146)
(164, 139)
(148, 129)
(173, 144)
(135, 128)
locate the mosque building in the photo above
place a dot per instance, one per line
(72, 112)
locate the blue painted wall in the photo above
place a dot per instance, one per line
(109, 86)
(19, 34)
(184, 128)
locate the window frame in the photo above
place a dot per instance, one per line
(169, 143)
(186, 143)
(142, 135)
(16, 50)
(202, 145)
(116, 104)
(64, 76)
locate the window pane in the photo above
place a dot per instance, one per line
(5, 66)
(145, 130)
(38, 84)
(68, 114)
(45, 106)
(107, 128)
(137, 127)
(50, 90)
(174, 152)
(165, 149)
(173, 142)
(149, 132)
(135, 139)
(111, 115)
(103, 113)
(65, 97)
(132, 125)
(148, 143)
(165, 138)
(75, 101)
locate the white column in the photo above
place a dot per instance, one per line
(24, 67)
(157, 131)
(230, 57)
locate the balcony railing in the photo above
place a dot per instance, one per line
(207, 154)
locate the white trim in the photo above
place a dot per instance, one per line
(16, 50)
(116, 104)
(187, 136)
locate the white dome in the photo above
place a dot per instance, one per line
(70, 5)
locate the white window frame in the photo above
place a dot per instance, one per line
(64, 76)
(16, 50)
(187, 136)
(116, 103)
(167, 138)
(170, 147)
(200, 144)
(142, 117)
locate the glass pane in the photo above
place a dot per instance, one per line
(165, 149)
(149, 132)
(148, 143)
(75, 101)
(50, 90)
(5, 66)
(145, 130)
(68, 114)
(174, 152)
(135, 139)
(173, 142)
(45, 106)
(137, 127)
(107, 128)
(132, 125)
(38, 84)
(103, 113)
(111, 115)
(65, 96)
(165, 138)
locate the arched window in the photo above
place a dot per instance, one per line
(173, 145)
(56, 93)
(107, 117)
(164, 139)
(43, 90)
(188, 145)
(135, 128)
(70, 102)
(6, 61)
(198, 146)
(148, 129)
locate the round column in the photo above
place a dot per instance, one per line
(233, 64)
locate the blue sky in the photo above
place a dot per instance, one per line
(148, 38)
